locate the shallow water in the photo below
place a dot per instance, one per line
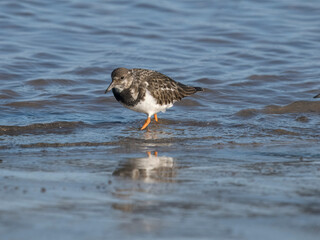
(238, 161)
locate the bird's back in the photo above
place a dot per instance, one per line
(164, 89)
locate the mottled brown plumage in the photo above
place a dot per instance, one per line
(147, 91)
(164, 89)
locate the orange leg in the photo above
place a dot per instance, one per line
(150, 155)
(146, 123)
(156, 117)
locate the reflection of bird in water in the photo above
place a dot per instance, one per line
(147, 91)
(317, 96)
(150, 169)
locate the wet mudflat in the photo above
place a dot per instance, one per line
(161, 185)
(239, 161)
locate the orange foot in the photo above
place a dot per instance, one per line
(146, 123)
(150, 155)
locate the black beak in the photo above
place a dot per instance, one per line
(109, 88)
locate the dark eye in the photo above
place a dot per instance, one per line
(122, 77)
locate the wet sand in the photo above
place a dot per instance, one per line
(192, 187)
(186, 191)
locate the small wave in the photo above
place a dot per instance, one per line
(8, 94)
(250, 112)
(45, 82)
(32, 104)
(284, 132)
(87, 71)
(40, 128)
(208, 81)
(8, 76)
(191, 123)
(69, 144)
(48, 56)
(295, 107)
(212, 40)
(188, 103)
(267, 77)
(69, 96)
(152, 6)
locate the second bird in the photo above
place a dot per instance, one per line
(147, 91)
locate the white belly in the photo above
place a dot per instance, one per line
(149, 106)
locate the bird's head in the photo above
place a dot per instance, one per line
(121, 79)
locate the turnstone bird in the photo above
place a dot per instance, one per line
(147, 91)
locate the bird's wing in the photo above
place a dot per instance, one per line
(165, 90)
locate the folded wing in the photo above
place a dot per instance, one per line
(166, 90)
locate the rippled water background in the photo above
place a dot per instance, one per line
(238, 161)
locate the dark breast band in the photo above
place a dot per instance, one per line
(126, 98)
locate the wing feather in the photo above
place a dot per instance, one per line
(164, 89)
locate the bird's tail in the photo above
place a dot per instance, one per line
(187, 90)
(317, 96)
(200, 89)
